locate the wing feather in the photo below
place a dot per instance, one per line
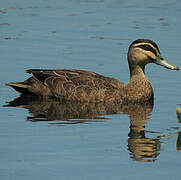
(75, 84)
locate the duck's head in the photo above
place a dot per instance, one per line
(144, 51)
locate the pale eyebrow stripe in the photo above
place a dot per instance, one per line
(148, 47)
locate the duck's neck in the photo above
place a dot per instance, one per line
(137, 71)
(139, 88)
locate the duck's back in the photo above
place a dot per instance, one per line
(71, 85)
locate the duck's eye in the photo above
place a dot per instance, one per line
(147, 47)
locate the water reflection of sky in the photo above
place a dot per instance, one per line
(91, 35)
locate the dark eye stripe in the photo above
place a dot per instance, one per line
(148, 48)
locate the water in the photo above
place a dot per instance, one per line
(41, 142)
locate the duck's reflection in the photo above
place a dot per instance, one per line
(141, 148)
(178, 112)
(179, 141)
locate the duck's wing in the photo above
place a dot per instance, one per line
(50, 77)
(70, 84)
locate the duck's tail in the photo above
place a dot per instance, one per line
(21, 87)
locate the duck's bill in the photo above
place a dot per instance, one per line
(162, 62)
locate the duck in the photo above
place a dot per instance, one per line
(86, 86)
(178, 112)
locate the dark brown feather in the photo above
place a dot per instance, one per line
(72, 85)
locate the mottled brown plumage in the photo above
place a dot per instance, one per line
(85, 86)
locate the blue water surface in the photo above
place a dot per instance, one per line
(91, 35)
